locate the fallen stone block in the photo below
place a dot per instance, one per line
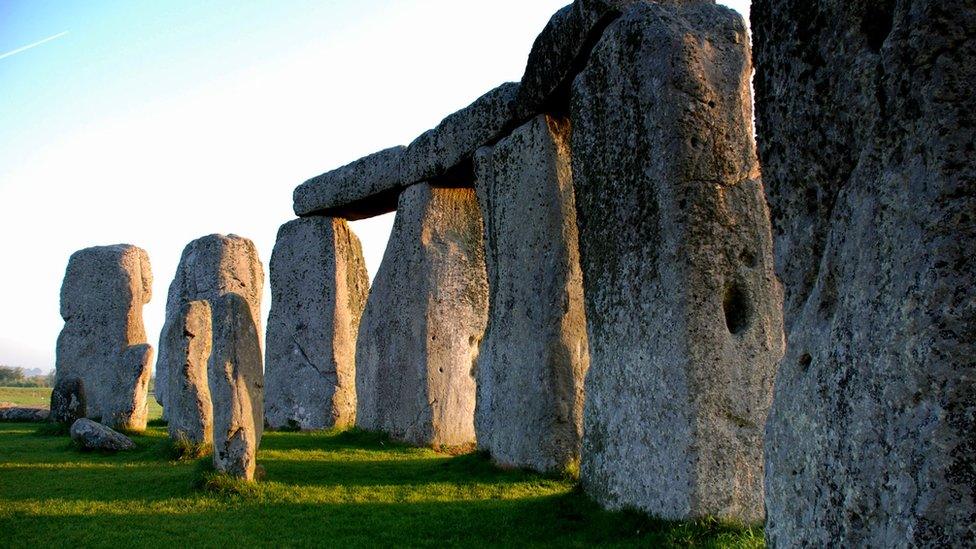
(23, 413)
(89, 435)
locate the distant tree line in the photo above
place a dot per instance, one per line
(11, 376)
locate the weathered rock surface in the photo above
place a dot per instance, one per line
(68, 400)
(370, 186)
(319, 286)
(128, 408)
(682, 305)
(424, 319)
(867, 124)
(89, 435)
(210, 267)
(363, 188)
(23, 413)
(534, 356)
(189, 335)
(236, 379)
(102, 296)
(560, 51)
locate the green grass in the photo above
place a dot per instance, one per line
(35, 396)
(331, 488)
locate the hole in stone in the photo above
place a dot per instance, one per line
(878, 21)
(748, 259)
(737, 309)
(805, 361)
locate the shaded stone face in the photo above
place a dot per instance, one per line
(102, 296)
(129, 405)
(682, 306)
(236, 380)
(191, 410)
(867, 123)
(68, 400)
(319, 286)
(534, 355)
(210, 267)
(425, 316)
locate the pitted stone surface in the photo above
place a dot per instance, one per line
(424, 319)
(366, 187)
(190, 335)
(534, 356)
(210, 267)
(68, 400)
(319, 286)
(682, 305)
(102, 296)
(128, 408)
(10, 412)
(236, 379)
(867, 124)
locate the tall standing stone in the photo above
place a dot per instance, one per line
(190, 334)
(236, 379)
(534, 355)
(319, 286)
(424, 319)
(682, 306)
(867, 125)
(102, 296)
(210, 267)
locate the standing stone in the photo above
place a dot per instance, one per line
(424, 319)
(534, 355)
(68, 400)
(210, 267)
(682, 305)
(191, 410)
(867, 125)
(236, 379)
(319, 286)
(128, 408)
(102, 296)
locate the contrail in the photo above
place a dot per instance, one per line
(29, 46)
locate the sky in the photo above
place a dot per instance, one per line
(153, 123)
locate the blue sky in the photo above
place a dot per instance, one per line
(154, 123)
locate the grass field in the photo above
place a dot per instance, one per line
(322, 489)
(34, 396)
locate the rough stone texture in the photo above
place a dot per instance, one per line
(23, 413)
(210, 267)
(68, 400)
(866, 117)
(89, 435)
(319, 286)
(191, 410)
(424, 319)
(370, 186)
(534, 356)
(682, 306)
(102, 296)
(366, 187)
(128, 407)
(236, 379)
(560, 51)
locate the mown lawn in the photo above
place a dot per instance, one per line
(41, 396)
(322, 489)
